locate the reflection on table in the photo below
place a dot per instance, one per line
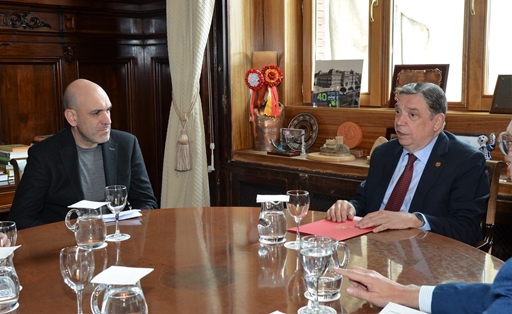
(209, 260)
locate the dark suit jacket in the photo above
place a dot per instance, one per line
(51, 181)
(495, 298)
(452, 192)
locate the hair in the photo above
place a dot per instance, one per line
(432, 93)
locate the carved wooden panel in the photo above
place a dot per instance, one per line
(30, 98)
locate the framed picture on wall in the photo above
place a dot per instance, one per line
(502, 98)
(411, 73)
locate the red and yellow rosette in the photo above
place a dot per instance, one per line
(254, 80)
(272, 76)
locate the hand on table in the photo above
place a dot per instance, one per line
(371, 286)
(341, 211)
(385, 219)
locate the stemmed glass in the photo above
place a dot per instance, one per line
(77, 269)
(116, 196)
(8, 233)
(315, 253)
(297, 206)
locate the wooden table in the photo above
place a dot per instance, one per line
(209, 260)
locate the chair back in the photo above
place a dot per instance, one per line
(16, 168)
(494, 170)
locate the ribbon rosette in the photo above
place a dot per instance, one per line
(254, 80)
(272, 75)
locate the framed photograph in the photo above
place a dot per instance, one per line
(411, 73)
(502, 98)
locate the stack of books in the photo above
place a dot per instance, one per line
(8, 152)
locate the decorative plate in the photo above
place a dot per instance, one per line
(308, 123)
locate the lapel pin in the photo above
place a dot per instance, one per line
(438, 164)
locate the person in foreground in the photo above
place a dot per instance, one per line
(455, 297)
(79, 161)
(449, 188)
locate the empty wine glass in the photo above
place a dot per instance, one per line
(315, 253)
(8, 233)
(116, 196)
(77, 269)
(297, 206)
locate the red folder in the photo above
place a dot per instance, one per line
(338, 230)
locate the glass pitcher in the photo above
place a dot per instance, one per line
(89, 228)
(272, 223)
(9, 285)
(329, 283)
(119, 299)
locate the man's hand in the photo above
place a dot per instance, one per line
(371, 286)
(385, 219)
(341, 211)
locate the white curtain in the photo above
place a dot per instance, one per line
(188, 25)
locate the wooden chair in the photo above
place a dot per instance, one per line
(16, 168)
(494, 169)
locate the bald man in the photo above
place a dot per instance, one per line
(79, 161)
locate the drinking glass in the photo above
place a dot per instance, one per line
(116, 196)
(297, 206)
(8, 233)
(315, 254)
(77, 269)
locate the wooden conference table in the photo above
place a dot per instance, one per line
(209, 260)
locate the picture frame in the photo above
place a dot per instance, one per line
(502, 97)
(410, 73)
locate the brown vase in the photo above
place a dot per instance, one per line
(265, 129)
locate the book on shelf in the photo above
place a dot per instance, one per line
(14, 147)
(10, 155)
(7, 167)
(4, 177)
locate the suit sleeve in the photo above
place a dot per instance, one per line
(29, 199)
(476, 297)
(141, 194)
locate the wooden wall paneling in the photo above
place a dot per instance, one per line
(116, 78)
(30, 98)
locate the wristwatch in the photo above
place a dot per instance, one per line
(420, 218)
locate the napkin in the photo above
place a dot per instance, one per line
(88, 204)
(7, 250)
(393, 308)
(272, 198)
(120, 275)
(125, 214)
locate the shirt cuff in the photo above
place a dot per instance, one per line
(425, 298)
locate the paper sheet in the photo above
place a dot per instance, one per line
(125, 214)
(88, 204)
(120, 275)
(393, 308)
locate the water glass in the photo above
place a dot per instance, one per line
(8, 233)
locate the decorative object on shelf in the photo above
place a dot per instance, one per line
(306, 122)
(378, 141)
(352, 134)
(294, 139)
(484, 148)
(267, 121)
(334, 151)
(337, 83)
(410, 73)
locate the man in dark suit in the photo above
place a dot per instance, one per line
(444, 298)
(449, 188)
(79, 161)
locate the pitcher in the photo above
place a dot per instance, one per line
(119, 299)
(272, 223)
(329, 284)
(89, 228)
(9, 285)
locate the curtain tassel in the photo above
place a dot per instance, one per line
(183, 157)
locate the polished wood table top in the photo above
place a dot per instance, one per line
(209, 260)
